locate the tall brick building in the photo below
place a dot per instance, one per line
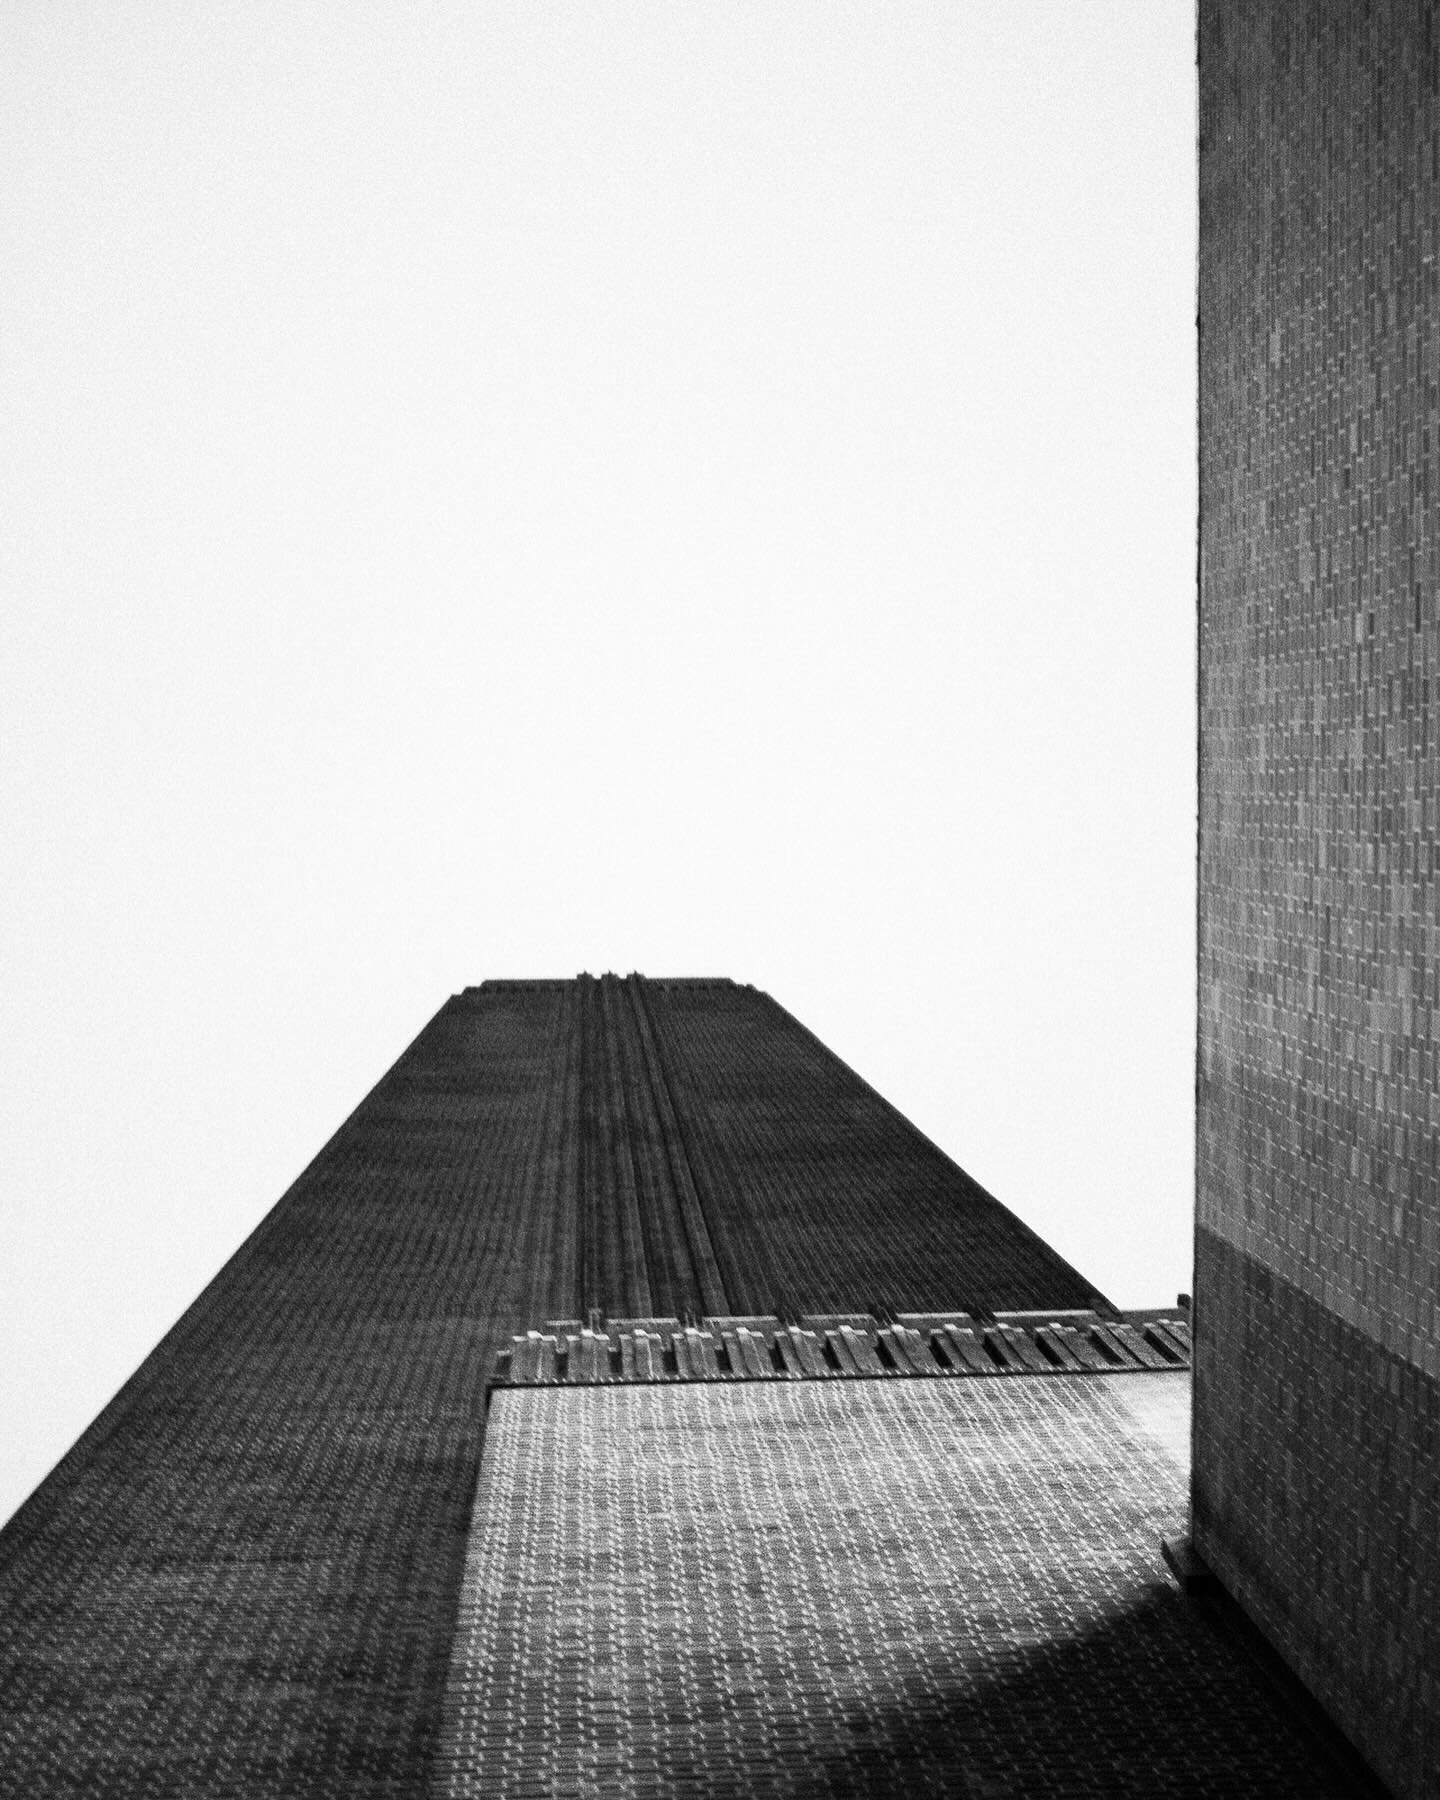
(806, 1465)
(1317, 1376)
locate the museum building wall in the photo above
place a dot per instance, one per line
(1316, 1486)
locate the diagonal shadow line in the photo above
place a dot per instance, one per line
(1153, 1701)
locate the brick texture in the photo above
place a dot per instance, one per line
(895, 1590)
(1319, 979)
(1326, 1440)
(243, 1578)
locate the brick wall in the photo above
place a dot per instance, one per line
(889, 1589)
(1317, 1483)
(242, 1579)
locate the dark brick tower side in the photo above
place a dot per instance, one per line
(243, 1579)
(1317, 1406)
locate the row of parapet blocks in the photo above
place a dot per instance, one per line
(824, 1346)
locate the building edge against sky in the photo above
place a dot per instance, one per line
(243, 1575)
(1315, 1487)
(1317, 1405)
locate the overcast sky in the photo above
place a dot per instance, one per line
(508, 489)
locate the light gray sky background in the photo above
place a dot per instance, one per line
(494, 489)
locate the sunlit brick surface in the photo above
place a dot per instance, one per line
(887, 1589)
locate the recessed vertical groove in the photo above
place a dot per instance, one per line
(739, 1265)
(594, 1182)
(631, 1291)
(705, 1280)
(673, 1287)
(562, 1278)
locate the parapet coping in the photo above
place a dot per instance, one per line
(524, 983)
(841, 1346)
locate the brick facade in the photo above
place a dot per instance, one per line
(897, 1590)
(1317, 1469)
(243, 1578)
